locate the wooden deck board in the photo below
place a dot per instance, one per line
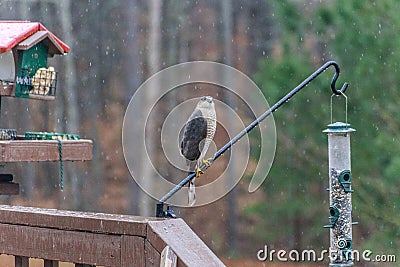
(189, 248)
(45, 150)
(71, 220)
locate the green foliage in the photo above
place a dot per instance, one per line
(295, 181)
(362, 37)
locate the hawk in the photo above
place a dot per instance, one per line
(198, 132)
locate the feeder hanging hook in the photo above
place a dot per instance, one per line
(334, 79)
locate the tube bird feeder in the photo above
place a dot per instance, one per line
(340, 209)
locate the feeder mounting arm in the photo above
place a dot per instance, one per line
(160, 212)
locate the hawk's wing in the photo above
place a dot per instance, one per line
(194, 132)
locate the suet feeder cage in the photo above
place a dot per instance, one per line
(24, 73)
(340, 209)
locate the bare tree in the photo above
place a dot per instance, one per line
(153, 57)
(28, 173)
(70, 97)
(94, 99)
(184, 33)
(227, 18)
(133, 82)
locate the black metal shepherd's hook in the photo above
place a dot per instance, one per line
(160, 212)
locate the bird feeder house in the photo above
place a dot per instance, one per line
(24, 73)
(24, 50)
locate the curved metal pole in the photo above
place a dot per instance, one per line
(261, 118)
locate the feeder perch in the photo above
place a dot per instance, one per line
(345, 180)
(50, 136)
(340, 193)
(24, 50)
(333, 217)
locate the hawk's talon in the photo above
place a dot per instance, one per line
(198, 172)
(207, 162)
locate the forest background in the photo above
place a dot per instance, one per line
(117, 44)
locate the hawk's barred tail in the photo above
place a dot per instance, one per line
(192, 193)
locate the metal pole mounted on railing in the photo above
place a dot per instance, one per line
(340, 209)
(160, 212)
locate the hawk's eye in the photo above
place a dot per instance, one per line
(203, 98)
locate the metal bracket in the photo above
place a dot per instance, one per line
(161, 213)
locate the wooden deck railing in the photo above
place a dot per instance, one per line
(94, 239)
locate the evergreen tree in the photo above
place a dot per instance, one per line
(362, 38)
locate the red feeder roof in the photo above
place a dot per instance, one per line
(12, 33)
